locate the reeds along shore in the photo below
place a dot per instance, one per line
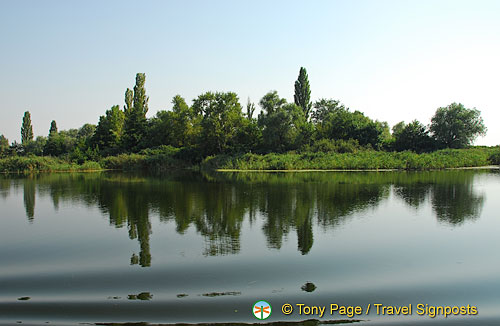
(172, 159)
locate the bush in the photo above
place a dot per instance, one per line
(495, 158)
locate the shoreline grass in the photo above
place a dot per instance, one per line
(360, 161)
(28, 164)
(287, 162)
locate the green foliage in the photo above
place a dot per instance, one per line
(334, 121)
(4, 146)
(26, 129)
(323, 108)
(248, 137)
(55, 143)
(250, 109)
(136, 108)
(86, 131)
(25, 164)
(398, 128)
(184, 124)
(495, 157)
(413, 137)
(109, 131)
(455, 126)
(36, 147)
(180, 127)
(220, 122)
(352, 161)
(284, 126)
(72, 143)
(333, 146)
(302, 96)
(158, 159)
(216, 125)
(53, 127)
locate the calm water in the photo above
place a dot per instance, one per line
(114, 247)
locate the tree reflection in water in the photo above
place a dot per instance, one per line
(217, 204)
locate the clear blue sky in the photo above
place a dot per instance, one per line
(393, 60)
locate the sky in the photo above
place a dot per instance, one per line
(70, 61)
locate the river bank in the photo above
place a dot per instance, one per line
(360, 161)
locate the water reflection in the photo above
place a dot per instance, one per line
(217, 204)
(29, 197)
(451, 194)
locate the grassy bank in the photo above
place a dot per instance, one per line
(164, 160)
(25, 164)
(356, 161)
(158, 160)
(125, 162)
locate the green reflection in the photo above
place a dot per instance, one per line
(217, 204)
(29, 186)
(5, 185)
(451, 194)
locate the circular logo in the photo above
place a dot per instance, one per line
(261, 310)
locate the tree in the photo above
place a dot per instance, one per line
(250, 109)
(136, 107)
(185, 124)
(54, 144)
(282, 123)
(179, 127)
(334, 121)
(323, 108)
(413, 137)
(109, 130)
(26, 129)
(36, 146)
(221, 119)
(455, 126)
(4, 146)
(302, 95)
(86, 131)
(398, 128)
(53, 128)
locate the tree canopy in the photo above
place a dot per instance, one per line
(302, 95)
(136, 107)
(413, 137)
(107, 135)
(26, 129)
(334, 121)
(221, 117)
(455, 126)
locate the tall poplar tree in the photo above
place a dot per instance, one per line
(302, 95)
(136, 107)
(53, 128)
(26, 129)
(4, 146)
(53, 144)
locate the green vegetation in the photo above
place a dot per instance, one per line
(364, 160)
(215, 132)
(136, 107)
(26, 129)
(456, 127)
(25, 164)
(302, 96)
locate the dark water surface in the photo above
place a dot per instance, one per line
(188, 247)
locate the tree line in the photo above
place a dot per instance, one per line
(216, 123)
